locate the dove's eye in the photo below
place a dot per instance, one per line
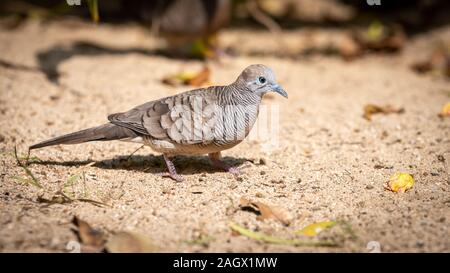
(262, 80)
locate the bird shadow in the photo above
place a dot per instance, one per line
(151, 163)
(49, 60)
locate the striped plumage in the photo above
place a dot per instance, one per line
(200, 121)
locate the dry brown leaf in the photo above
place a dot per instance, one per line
(88, 235)
(201, 78)
(371, 109)
(55, 199)
(189, 78)
(130, 242)
(266, 211)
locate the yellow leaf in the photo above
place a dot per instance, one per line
(400, 182)
(445, 111)
(316, 228)
(375, 31)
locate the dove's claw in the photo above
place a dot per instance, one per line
(215, 159)
(175, 177)
(234, 171)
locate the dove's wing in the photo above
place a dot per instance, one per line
(187, 118)
(134, 119)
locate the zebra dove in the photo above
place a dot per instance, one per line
(201, 121)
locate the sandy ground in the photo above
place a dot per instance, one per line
(331, 164)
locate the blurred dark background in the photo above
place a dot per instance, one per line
(413, 15)
(190, 27)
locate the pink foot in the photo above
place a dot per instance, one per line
(234, 171)
(215, 159)
(172, 173)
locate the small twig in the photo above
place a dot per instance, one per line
(93, 202)
(85, 194)
(128, 158)
(262, 18)
(28, 156)
(268, 22)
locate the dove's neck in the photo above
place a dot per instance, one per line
(240, 108)
(234, 94)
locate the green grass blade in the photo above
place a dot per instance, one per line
(93, 9)
(70, 182)
(34, 182)
(276, 240)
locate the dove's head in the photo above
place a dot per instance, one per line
(260, 79)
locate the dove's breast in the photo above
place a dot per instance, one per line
(170, 148)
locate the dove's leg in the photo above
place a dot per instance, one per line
(172, 171)
(215, 159)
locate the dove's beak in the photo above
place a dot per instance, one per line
(277, 88)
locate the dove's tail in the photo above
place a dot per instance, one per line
(104, 132)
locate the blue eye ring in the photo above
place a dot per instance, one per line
(262, 80)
